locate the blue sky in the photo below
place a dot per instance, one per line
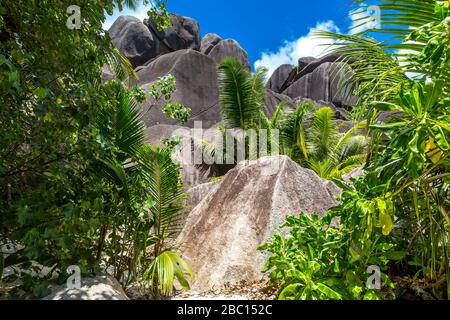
(272, 32)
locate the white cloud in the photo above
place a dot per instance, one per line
(140, 13)
(304, 46)
(359, 18)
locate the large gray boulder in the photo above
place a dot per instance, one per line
(273, 99)
(184, 33)
(209, 41)
(323, 83)
(224, 230)
(304, 61)
(229, 48)
(197, 89)
(279, 77)
(135, 40)
(98, 288)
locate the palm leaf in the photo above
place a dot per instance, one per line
(163, 271)
(322, 133)
(240, 99)
(164, 187)
(120, 66)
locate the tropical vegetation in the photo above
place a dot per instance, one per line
(309, 137)
(396, 216)
(79, 185)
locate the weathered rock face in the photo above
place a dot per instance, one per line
(279, 77)
(197, 89)
(273, 99)
(98, 288)
(142, 41)
(322, 84)
(198, 193)
(183, 34)
(229, 48)
(208, 42)
(304, 61)
(224, 230)
(193, 171)
(135, 40)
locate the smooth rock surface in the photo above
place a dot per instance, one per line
(279, 77)
(273, 99)
(229, 48)
(208, 42)
(223, 232)
(197, 89)
(134, 39)
(184, 33)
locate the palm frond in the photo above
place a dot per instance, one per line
(398, 17)
(374, 73)
(293, 135)
(120, 66)
(122, 126)
(164, 187)
(354, 146)
(278, 114)
(240, 106)
(322, 132)
(164, 269)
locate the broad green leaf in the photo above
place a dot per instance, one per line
(328, 292)
(388, 127)
(385, 106)
(385, 219)
(289, 292)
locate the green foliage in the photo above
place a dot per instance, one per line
(396, 215)
(164, 88)
(241, 94)
(315, 262)
(164, 269)
(312, 139)
(74, 172)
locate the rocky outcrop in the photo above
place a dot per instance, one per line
(323, 83)
(279, 77)
(98, 288)
(189, 154)
(208, 42)
(184, 33)
(198, 193)
(229, 48)
(224, 230)
(142, 41)
(196, 87)
(304, 61)
(135, 40)
(273, 99)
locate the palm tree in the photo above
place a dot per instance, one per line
(312, 139)
(136, 166)
(167, 218)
